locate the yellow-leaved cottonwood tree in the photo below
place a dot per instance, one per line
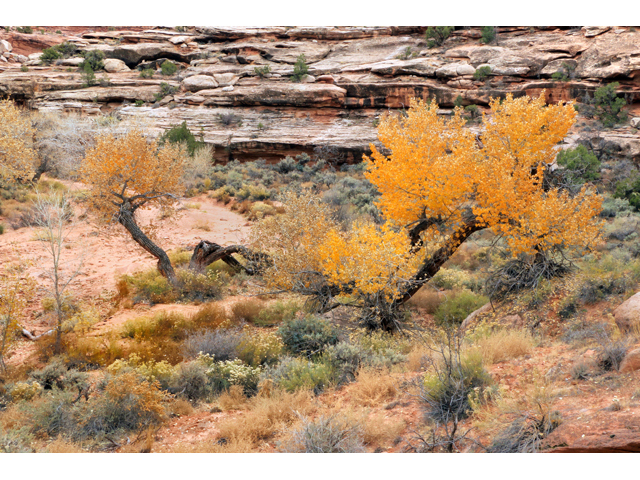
(17, 155)
(438, 186)
(129, 173)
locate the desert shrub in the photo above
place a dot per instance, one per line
(611, 354)
(181, 134)
(436, 36)
(15, 441)
(259, 347)
(374, 387)
(27, 30)
(614, 207)
(598, 287)
(210, 315)
(502, 344)
(221, 344)
(165, 90)
(198, 286)
(230, 372)
(24, 391)
(1, 229)
(51, 54)
(228, 119)
(629, 189)
(276, 313)
(582, 165)
(457, 307)
(233, 399)
(247, 310)
(57, 375)
(450, 278)
(332, 434)
(93, 59)
(427, 299)
(161, 372)
(146, 73)
(488, 34)
(608, 106)
(580, 371)
(126, 404)
(51, 414)
(262, 71)
(150, 286)
(293, 374)
(300, 68)
(346, 358)
(308, 336)
(482, 73)
(445, 390)
(191, 381)
(168, 68)
(163, 324)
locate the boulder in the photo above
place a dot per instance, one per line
(330, 79)
(199, 82)
(593, 31)
(635, 122)
(113, 65)
(455, 70)
(5, 46)
(72, 62)
(180, 39)
(228, 89)
(627, 315)
(226, 79)
(309, 79)
(631, 361)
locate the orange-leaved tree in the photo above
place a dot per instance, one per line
(129, 173)
(438, 186)
(17, 155)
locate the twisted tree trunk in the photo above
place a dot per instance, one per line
(128, 221)
(207, 252)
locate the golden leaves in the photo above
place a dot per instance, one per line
(17, 155)
(131, 169)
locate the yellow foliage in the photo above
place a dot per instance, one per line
(131, 169)
(17, 155)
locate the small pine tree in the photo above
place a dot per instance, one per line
(608, 106)
(88, 77)
(179, 134)
(437, 35)
(488, 34)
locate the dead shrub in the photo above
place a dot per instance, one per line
(379, 431)
(209, 316)
(373, 388)
(416, 359)
(233, 399)
(332, 434)
(180, 408)
(60, 445)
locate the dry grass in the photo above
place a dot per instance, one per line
(373, 388)
(181, 407)
(60, 445)
(416, 358)
(427, 299)
(209, 316)
(380, 431)
(502, 345)
(247, 310)
(202, 225)
(268, 416)
(233, 399)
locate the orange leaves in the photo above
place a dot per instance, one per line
(132, 169)
(437, 169)
(17, 155)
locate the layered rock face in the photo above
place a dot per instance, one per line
(354, 75)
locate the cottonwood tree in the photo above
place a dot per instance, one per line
(129, 173)
(439, 185)
(17, 155)
(16, 290)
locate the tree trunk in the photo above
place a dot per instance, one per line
(207, 252)
(127, 220)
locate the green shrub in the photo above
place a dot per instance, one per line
(150, 286)
(300, 69)
(436, 36)
(446, 391)
(231, 372)
(1, 228)
(457, 307)
(191, 381)
(308, 336)
(147, 73)
(168, 68)
(608, 106)
(27, 30)
(407, 54)
(262, 71)
(482, 73)
(629, 189)
(24, 68)
(93, 58)
(165, 90)
(259, 347)
(276, 313)
(179, 134)
(488, 34)
(88, 77)
(582, 165)
(294, 374)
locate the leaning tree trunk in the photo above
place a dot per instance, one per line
(207, 252)
(128, 221)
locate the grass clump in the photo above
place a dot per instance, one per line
(332, 434)
(503, 344)
(458, 306)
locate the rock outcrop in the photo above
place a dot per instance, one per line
(627, 315)
(355, 75)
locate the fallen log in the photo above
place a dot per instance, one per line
(207, 252)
